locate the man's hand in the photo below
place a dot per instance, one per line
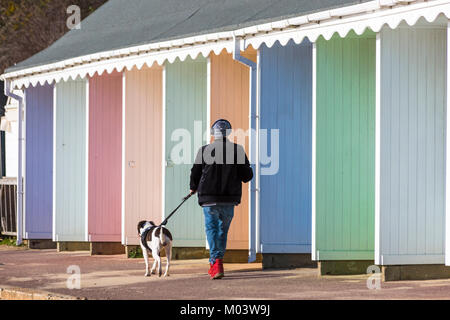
(193, 191)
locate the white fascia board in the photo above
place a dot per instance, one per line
(319, 16)
(356, 9)
(394, 2)
(298, 21)
(212, 37)
(250, 30)
(264, 27)
(280, 24)
(189, 41)
(177, 43)
(239, 33)
(387, 3)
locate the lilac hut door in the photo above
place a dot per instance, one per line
(39, 162)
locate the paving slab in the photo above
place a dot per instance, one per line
(116, 277)
(12, 293)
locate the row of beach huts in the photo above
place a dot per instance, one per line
(346, 113)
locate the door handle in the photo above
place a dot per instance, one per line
(169, 163)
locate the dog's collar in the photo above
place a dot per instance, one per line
(147, 228)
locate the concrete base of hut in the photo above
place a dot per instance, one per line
(184, 253)
(40, 244)
(287, 260)
(178, 253)
(187, 253)
(415, 272)
(73, 246)
(344, 267)
(238, 256)
(106, 248)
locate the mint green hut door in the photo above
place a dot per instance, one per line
(345, 148)
(185, 125)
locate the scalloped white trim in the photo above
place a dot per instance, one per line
(370, 15)
(359, 23)
(119, 64)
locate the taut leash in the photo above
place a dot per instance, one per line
(172, 213)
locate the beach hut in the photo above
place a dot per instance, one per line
(285, 187)
(344, 144)
(105, 160)
(38, 164)
(412, 158)
(185, 125)
(70, 162)
(143, 150)
(229, 98)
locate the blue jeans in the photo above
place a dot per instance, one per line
(217, 223)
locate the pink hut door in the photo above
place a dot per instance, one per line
(105, 158)
(143, 149)
(230, 81)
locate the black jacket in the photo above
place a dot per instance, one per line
(218, 172)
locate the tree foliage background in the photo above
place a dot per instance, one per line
(29, 26)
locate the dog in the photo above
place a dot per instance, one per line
(154, 238)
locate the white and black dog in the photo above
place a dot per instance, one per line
(152, 239)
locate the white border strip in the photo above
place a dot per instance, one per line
(54, 167)
(447, 153)
(378, 151)
(24, 166)
(163, 146)
(86, 191)
(124, 167)
(314, 255)
(258, 153)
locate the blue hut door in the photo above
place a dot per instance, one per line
(286, 112)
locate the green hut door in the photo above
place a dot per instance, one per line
(185, 124)
(345, 148)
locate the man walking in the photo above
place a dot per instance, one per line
(217, 176)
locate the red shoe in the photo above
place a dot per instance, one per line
(210, 271)
(217, 270)
(220, 266)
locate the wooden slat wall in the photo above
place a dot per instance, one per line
(185, 103)
(413, 103)
(39, 162)
(105, 157)
(230, 82)
(345, 140)
(143, 149)
(286, 105)
(70, 163)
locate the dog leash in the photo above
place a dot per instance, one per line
(146, 231)
(172, 213)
